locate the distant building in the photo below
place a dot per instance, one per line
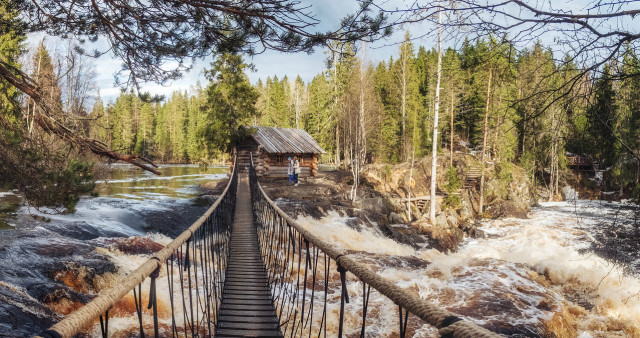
(271, 147)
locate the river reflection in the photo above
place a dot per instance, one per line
(125, 189)
(176, 181)
(9, 205)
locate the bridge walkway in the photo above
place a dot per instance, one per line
(247, 308)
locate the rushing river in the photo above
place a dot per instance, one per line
(572, 269)
(542, 276)
(52, 263)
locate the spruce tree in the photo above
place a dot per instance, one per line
(231, 102)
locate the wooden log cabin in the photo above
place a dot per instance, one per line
(271, 147)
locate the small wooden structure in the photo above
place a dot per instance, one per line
(581, 162)
(271, 147)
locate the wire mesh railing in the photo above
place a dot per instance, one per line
(319, 291)
(177, 292)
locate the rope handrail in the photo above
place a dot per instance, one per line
(447, 323)
(80, 319)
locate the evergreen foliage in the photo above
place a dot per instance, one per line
(452, 187)
(231, 102)
(526, 124)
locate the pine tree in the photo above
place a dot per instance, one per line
(124, 124)
(320, 115)
(278, 107)
(453, 89)
(426, 65)
(231, 102)
(626, 170)
(390, 137)
(298, 101)
(177, 119)
(407, 87)
(162, 137)
(341, 62)
(145, 129)
(196, 150)
(45, 75)
(101, 128)
(11, 48)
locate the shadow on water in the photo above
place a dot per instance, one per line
(53, 264)
(9, 205)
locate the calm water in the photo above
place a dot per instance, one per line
(125, 192)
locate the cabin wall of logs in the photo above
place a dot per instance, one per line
(271, 147)
(269, 164)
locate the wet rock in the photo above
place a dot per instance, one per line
(317, 208)
(85, 274)
(21, 315)
(452, 221)
(445, 240)
(172, 222)
(405, 234)
(379, 261)
(396, 218)
(472, 230)
(134, 245)
(507, 209)
(214, 187)
(441, 220)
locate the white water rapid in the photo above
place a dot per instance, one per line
(533, 277)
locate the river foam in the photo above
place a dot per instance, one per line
(529, 276)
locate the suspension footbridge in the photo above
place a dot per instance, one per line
(247, 269)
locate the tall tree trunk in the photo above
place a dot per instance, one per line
(484, 142)
(297, 106)
(404, 104)
(335, 106)
(413, 157)
(434, 148)
(451, 123)
(337, 145)
(360, 137)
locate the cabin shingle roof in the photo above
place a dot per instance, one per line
(286, 140)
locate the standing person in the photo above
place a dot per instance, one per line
(290, 171)
(296, 170)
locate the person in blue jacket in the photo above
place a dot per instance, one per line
(296, 170)
(290, 171)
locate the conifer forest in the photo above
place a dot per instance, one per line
(516, 103)
(486, 80)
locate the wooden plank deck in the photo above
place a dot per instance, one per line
(247, 306)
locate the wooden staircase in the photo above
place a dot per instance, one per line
(472, 177)
(244, 159)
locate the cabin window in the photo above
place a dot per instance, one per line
(279, 159)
